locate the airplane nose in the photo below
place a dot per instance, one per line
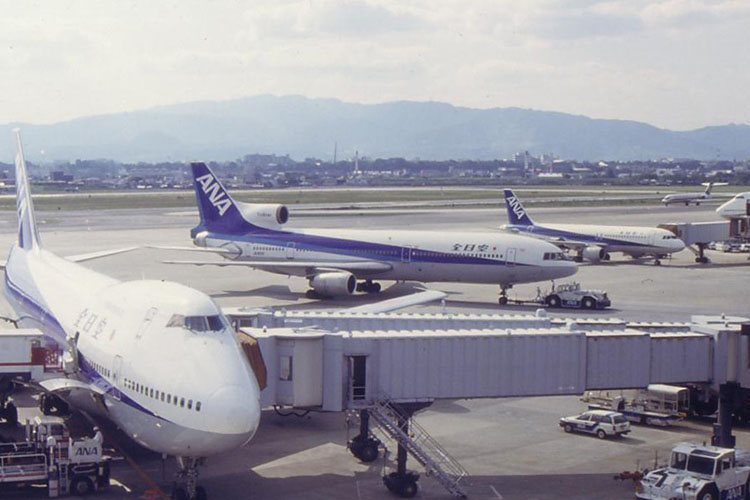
(235, 411)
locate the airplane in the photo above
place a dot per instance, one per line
(156, 358)
(333, 260)
(688, 198)
(594, 243)
(739, 206)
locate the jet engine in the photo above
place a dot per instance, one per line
(594, 254)
(334, 283)
(264, 215)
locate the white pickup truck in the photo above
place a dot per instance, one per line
(698, 472)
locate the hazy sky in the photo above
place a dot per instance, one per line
(677, 64)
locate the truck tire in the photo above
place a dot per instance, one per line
(588, 303)
(601, 434)
(81, 486)
(708, 492)
(553, 301)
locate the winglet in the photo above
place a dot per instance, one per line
(516, 213)
(28, 236)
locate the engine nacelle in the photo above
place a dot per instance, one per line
(594, 254)
(264, 215)
(200, 239)
(334, 283)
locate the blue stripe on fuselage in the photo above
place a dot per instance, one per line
(356, 248)
(558, 233)
(53, 330)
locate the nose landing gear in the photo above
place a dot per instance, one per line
(186, 484)
(503, 299)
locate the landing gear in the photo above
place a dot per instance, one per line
(657, 262)
(368, 287)
(503, 299)
(363, 446)
(186, 487)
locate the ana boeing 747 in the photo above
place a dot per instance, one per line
(594, 242)
(333, 260)
(158, 359)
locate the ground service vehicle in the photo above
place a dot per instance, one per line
(697, 472)
(602, 423)
(658, 404)
(49, 456)
(572, 295)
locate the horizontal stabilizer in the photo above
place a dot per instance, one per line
(214, 250)
(98, 255)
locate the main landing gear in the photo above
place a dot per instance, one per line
(186, 483)
(368, 287)
(503, 299)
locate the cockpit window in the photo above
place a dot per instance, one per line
(198, 323)
(554, 256)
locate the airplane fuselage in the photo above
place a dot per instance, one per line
(173, 390)
(632, 240)
(426, 256)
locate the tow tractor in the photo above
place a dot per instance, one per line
(566, 295)
(49, 456)
(698, 472)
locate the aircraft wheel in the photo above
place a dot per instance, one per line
(376, 288)
(502, 301)
(200, 493)
(657, 262)
(179, 493)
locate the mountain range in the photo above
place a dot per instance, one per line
(303, 127)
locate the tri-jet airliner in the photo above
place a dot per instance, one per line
(158, 359)
(333, 260)
(594, 242)
(688, 198)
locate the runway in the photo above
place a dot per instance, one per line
(512, 448)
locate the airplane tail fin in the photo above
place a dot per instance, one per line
(516, 213)
(28, 235)
(217, 209)
(709, 186)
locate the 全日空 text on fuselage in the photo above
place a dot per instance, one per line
(156, 358)
(439, 257)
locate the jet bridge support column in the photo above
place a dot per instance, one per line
(723, 437)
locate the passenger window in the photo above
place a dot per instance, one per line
(198, 406)
(190, 404)
(169, 399)
(182, 402)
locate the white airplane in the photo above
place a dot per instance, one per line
(250, 235)
(594, 242)
(688, 198)
(156, 358)
(739, 206)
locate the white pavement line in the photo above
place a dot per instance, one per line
(497, 495)
(359, 496)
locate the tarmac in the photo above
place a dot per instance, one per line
(513, 448)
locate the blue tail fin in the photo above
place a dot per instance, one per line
(218, 211)
(516, 213)
(28, 236)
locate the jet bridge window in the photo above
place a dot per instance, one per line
(214, 323)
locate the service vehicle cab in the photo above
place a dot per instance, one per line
(697, 472)
(603, 423)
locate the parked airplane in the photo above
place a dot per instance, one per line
(157, 358)
(688, 198)
(739, 206)
(594, 242)
(333, 260)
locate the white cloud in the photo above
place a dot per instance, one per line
(674, 63)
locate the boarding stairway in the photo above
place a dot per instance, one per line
(421, 446)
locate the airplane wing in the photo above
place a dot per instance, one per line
(215, 250)
(87, 256)
(66, 384)
(97, 255)
(308, 268)
(389, 305)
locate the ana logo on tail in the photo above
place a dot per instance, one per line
(215, 194)
(516, 206)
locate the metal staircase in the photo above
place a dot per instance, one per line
(420, 445)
